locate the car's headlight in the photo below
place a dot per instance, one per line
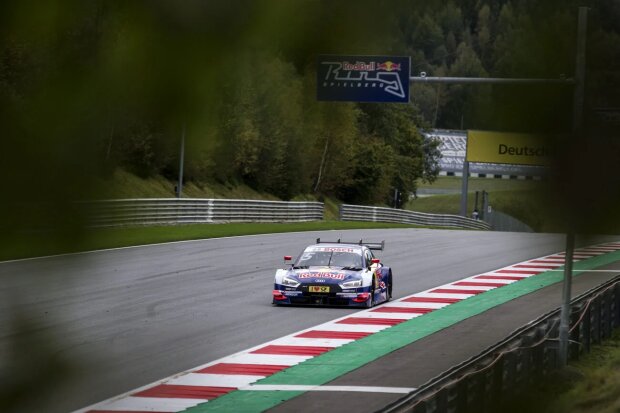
(289, 282)
(351, 284)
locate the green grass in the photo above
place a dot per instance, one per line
(599, 390)
(589, 385)
(122, 184)
(28, 246)
(526, 206)
(479, 184)
(521, 199)
(531, 202)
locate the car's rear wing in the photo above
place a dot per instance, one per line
(379, 246)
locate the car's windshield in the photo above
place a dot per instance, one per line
(343, 259)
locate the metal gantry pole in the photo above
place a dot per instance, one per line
(464, 188)
(580, 70)
(488, 80)
(181, 160)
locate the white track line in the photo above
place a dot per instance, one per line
(364, 389)
(154, 404)
(215, 380)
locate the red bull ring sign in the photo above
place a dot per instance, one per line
(363, 78)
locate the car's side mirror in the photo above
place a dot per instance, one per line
(375, 260)
(287, 258)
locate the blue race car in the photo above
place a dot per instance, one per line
(335, 274)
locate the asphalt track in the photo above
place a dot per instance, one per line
(125, 318)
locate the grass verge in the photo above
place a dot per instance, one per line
(482, 184)
(28, 246)
(524, 205)
(589, 385)
(599, 389)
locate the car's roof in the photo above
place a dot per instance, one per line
(336, 245)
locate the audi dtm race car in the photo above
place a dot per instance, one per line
(335, 273)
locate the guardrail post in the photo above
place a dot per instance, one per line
(453, 398)
(420, 407)
(527, 362)
(587, 330)
(538, 355)
(496, 390)
(477, 389)
(462, 395)
(596, 320)
(441, 401)
(520, 370)
(574, 336)
(616, 301)
(510, 370)
(607, 315)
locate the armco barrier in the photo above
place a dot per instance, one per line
(379, 214)
(185, 211)
(509, 367)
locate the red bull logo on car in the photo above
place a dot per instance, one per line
(332, 275)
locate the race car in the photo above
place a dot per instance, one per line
(334, 274)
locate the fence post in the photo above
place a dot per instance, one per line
(510, 368)
(497, 382)
(596, 320)
(587, 329)
(462, 395)
(538, 355)
(573, 344)
(441, 401)
(420, 407)
(607, 315)
(616, 296)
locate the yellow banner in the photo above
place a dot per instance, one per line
(511, 148)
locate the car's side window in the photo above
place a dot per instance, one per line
(368, 256)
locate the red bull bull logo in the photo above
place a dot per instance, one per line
(388, 66)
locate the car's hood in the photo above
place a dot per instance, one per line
(326, 275)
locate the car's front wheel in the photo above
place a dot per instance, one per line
(371, 299)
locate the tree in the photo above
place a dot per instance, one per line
(396, 126)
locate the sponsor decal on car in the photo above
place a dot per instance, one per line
(332, 275)
(334, 249)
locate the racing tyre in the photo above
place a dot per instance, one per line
(371, 301)
(373, 288)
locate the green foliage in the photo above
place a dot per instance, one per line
(86, 87)
(406, 157)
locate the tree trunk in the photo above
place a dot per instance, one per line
(322, 165)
